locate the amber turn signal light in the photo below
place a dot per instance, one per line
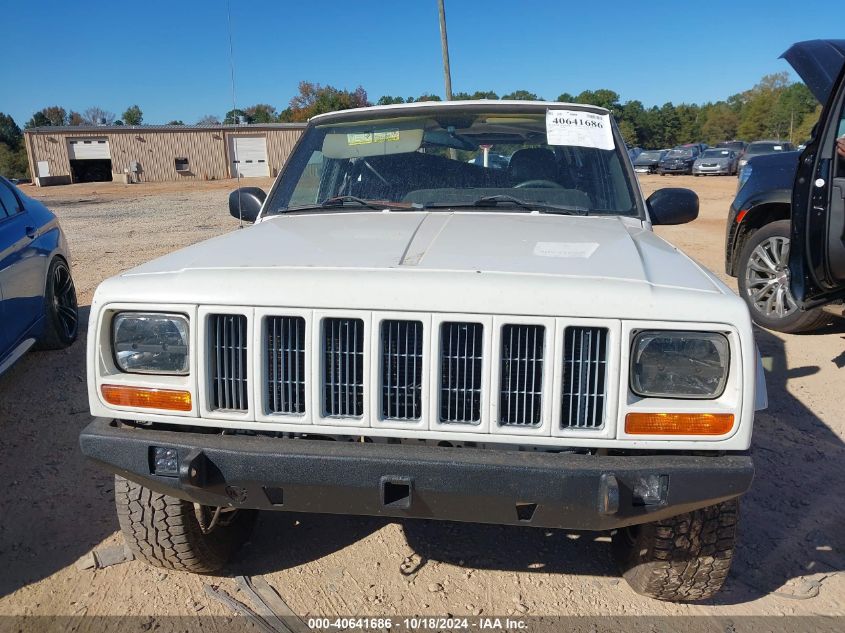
(678, 423)
(169, 399)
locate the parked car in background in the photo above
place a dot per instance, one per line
(647, 161)
(634, 152)
(679, 160)
(737, 146)
(37, 295)
(758, 148)
(499, 346)
(719, 162)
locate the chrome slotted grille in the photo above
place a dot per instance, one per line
(461, 346)
(229, 368)
(343, 367)
(584, 377)
(285, 358)
(401, 370)
(521, 379)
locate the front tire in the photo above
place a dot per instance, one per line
(763, 279)
(61, 312)
(166, 532)
(680, 559)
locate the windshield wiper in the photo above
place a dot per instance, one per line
(492, 201)
(339, 201)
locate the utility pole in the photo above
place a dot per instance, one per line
(444, 43)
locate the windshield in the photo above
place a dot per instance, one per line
(650, 156)
(716, 153)
(765, 148)
(679, 153)
(452, 158)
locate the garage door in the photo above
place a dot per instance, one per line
(88, 148)
(249, 156)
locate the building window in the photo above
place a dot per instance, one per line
(182, 164)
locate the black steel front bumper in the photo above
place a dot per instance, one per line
(588, 492)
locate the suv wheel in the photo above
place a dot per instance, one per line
(681, 559)
(763, 276)
(174, 534)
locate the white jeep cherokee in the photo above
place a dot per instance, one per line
(490, 341)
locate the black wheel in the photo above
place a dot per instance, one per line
(174, 534)
(61, 311)
(681, 559)
(763, 278)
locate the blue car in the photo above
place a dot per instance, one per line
(37, 296)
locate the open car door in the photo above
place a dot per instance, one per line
(817, 245)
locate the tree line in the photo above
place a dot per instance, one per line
(774, 108)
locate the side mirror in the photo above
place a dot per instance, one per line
(672, 206)
(246, 203)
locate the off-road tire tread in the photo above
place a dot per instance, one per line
(685, 558)
(163, 530)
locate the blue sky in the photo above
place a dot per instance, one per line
(172, 58)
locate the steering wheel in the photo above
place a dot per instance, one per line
(539, 183)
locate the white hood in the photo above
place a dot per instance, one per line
(488, 262)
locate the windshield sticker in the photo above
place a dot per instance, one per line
(579, 128)
(777, 148)
(365, 138)
(565, 249)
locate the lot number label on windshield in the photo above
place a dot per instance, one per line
(579, 128)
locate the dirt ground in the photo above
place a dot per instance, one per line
(56, 508)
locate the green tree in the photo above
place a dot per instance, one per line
(51, 115)
(804, 131)
(522, 95)
(176, 122)
(236, 116)
(565, 97)
(424, 97)
(629, 133)
(133, 115)
(10, 134)
(262, 113)
(315, 99)
(13, 162)
(602, 98)
(478, 94)
(388, 100)
(720, 123)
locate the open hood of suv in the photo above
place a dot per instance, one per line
(818, 63)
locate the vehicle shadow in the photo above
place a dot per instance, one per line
(790, 524)
(55, 507)
(791, 520)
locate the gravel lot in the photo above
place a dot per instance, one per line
(56, 508)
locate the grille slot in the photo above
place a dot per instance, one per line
(343, 367)
(584, 377)
(521, 380)
(227, 337)
(285, 363)
(461, 347)
(401, 370)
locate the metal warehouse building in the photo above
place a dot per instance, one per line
(62, 155)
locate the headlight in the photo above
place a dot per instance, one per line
(668, 364)
(150, 343)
